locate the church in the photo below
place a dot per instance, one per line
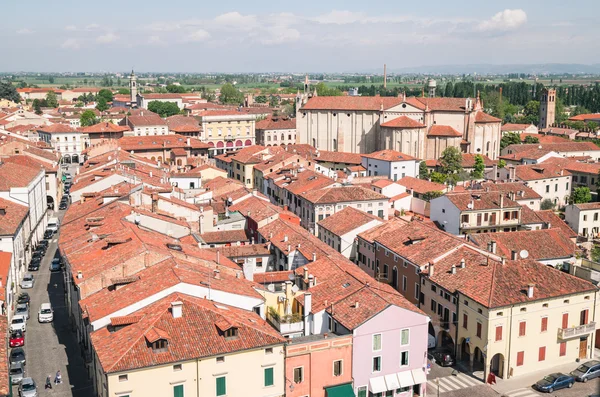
(418, 126)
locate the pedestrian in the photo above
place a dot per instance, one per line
(58, 378)
(48, 382)
(491, 378)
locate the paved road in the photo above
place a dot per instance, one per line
(52, 346)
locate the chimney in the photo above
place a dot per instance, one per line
(217, 274)
(453, 269)
(501, 200)
(513, 255)
(493, 246)
(530, 290)
(81, 199)
(150, 174)
(307, 310)
(305, 275)
(289, 248)
(503, 261)
(79, 274)
(314, 257)
(462, 263)
(431, 269)
(356, 305)
(285, 238)
(311, 281)
(176, 309)
(188, 142)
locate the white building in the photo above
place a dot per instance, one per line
(584, 218)
(390, 163)
(66, 140)
(274, 131)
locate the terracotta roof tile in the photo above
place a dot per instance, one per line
(389, 155)
(182, 124)
(57, 129)
(515, 127)
(443, 130)
(482, 117)
(341, 194)
(14, 175)
(346, 220)
(481, 200)
(338, 157)
(539, 171)
(420, 186)
(402, 122)
(276, 123)
(522, 191)
(226, 236)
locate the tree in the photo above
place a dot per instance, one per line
(101, 105)
(592, 125)
(479, 167)
(431, 195)
(51, 80)
(579, 110)
(176, 89)
(323, 90)
(231, 95)
(423, 171)
(261, 99)
(438, 177)
(547, 204)
(87, 118)
(451, 161)
(501, 164)
(164, 109)
(511, 138)
(531, 139)
(595, 253)
(581, 195)
(37, 107)
(106, 94)
(8, 91)
(51, 99)
(124, 91)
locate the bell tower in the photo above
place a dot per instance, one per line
(547, 108)
(133, 89)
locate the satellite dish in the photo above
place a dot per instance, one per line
(295, 288)
(524, 254)
(271, 288)
(291, 277)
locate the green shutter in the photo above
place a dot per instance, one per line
(221, 387)
(268, 376)
(362, 391)
(178, 391)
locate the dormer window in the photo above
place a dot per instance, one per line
(227, 329)
(231, 333)
(160, 346)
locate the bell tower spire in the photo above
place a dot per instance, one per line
(133, 89)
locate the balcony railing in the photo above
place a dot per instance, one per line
(574, 332)
(286, 324)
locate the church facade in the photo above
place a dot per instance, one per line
(418, 126)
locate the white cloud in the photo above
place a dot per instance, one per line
(71, 28)
(197, 35)
(155, 40)
(504, 21)
(237, 21)
(340, 17)
(279, 35)
(25, 31)
(71, 44)
(92, 26)
(107, 38)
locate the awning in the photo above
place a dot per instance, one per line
(391, 381)
(377, 385)
(419, 376)
(405, 378)
(340, 391)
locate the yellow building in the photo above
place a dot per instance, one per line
(227, 130)
(186, 346)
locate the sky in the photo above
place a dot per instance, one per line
(303, 36)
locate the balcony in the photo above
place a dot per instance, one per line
(575, 332)
(287, 324)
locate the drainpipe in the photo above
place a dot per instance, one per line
(456, 327)
(509, 342)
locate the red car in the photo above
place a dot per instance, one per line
(17, 339)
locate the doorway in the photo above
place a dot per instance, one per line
(583, 342)
(497, 365)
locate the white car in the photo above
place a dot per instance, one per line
(22, 309)
(27, 281)
(46, 314)
(18, 323)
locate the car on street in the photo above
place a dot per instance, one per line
(587, 371)
(444, 358)
(17, 355)
(22, 309)
(27, 388)
(33, 266)
(43, 243)
(27, 281)
(46, 314)
(17, 339)
(553, 382)
(48, 234)
(16, 373)
(18, 323)
(23, 298)
(55, 265)
(62, 206)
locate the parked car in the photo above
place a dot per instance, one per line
(62, 206)
(18, 323)
(43, 243)
(34, 266)
(554, 382)
(22, 309)
(23, 298)
(16, 373)
(27, 281)
(587, 371)
(444, 358)
(46, 314)
(17, 339)
(17, 355)
(48, 234)
(27, 388)
(55, 265)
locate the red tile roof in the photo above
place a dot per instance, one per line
(57, 129)
(13, 217)
(482, 117)
(161, 96)
(515, 127)
(402, 122)
(179, 124)
(567, 146)
(443, 130)
(338, 157)
(420, 186)
(444, 104)
(104, 128)
(194, 335)
(544, 138)
(305, 181)
(16, 175)
(585, 117)
(481, 200)
(346, 220)
(276, 123)
(468, 160)
(351, 103)
(539, 171)
(574, 166)
(154, 142)
(225, 236)
(389, 155)
(341, 194)
(145, 118)
(522, 191)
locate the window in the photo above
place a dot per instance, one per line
(404, 336)
(376, 342)
(268, 376)
(556, 187)
(547, 188)
(362, 391)
(337, 368)
(221, 359)
(417, 288)
(433, 288)
(583, 317)
(177, 367)
(403, 358)
(231, 332)
(123, 378)
(498, 333)
(522, 328)
(544, 327)
(404, 280)
(565, 320)
(160, 346)
(178, 391)
(433, 305)
(478, 329)
(520, 358)
(377, 364)
(269, 350)
(221, 386)
(298, 374)
(465, 218)
(465, 321)
(563, 349)
(542, 353)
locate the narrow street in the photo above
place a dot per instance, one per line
(50, 347)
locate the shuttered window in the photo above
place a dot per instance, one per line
(544, 324)
(563, 349)
(465, 321)
(522, 328)
(520, 358)
(221, 386)
(178, 391)
(269, 376)
(542, 353)
(498, 333)
(479, 330)
(565, 320)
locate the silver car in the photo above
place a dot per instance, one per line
(16, 373)
(27, 388)
(27, 281)
(22, 309)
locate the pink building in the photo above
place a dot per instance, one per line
(316, 365)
